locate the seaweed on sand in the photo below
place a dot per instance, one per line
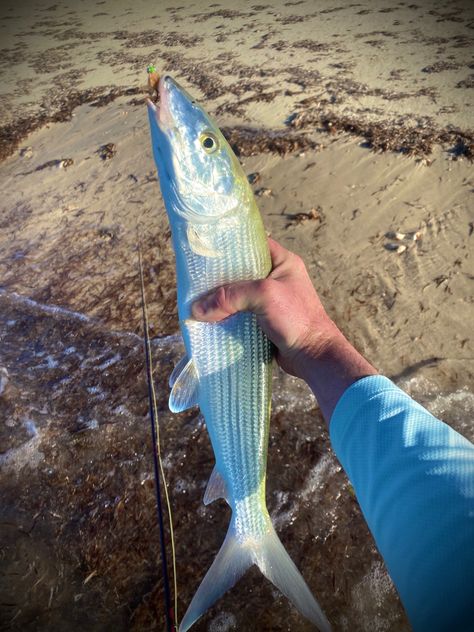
(12, 134)
(249, 141)
(93, 272)
(389, 136)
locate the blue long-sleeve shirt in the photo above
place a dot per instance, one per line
(413, 476)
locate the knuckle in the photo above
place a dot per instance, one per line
(298, 263)
(221, 298)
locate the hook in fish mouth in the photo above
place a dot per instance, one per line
(153, 80)
(161, 104)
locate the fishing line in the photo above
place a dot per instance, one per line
(158, 469)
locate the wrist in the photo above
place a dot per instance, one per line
(331, 364)
(318, 345)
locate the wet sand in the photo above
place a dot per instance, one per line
(352, 124)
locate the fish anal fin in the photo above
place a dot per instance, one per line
(216, 488)
(184, 393)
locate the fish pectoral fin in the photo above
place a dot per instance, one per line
(200, 243)
(184, 393)
(178, 370)
(216, 487)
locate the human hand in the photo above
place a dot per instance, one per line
(288, 309)
(287, 306)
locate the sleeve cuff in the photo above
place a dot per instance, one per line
(355, 396)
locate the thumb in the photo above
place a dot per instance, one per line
(245, 296)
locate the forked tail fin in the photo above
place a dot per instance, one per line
(235, 557)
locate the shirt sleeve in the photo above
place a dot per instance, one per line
(413, 476)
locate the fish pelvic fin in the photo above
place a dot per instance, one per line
(178, 369)
(235, 557)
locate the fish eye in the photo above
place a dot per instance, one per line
(209, 142)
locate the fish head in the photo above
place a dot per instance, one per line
(200, 177)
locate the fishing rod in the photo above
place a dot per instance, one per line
(171, 613)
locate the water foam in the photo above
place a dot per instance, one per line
(4, 379)
(224, 622)
(369, 596)
(27, 454)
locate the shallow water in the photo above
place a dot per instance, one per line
(79, 532)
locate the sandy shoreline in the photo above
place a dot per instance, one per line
(408, 65)
(307, 93)
(94, 207)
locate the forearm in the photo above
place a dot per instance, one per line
(412, 475)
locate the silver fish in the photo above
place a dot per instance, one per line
(218, 238)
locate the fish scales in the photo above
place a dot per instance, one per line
(218, 238)
(235, 398)
(240, 259)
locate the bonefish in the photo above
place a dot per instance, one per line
(218, 238)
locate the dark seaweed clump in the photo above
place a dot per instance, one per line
(439, 66)
(198, 74)
(248, 141)
(468, 82)
(389, 136)
(12, 134)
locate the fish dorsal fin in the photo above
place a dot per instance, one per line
(200, 243)
(178, 370)
(184, 393)
(216, 487)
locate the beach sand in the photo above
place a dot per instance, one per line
(353, 124)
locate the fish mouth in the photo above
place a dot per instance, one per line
(161, 107)
(164, 93)
(170, 96)
(165, 113)
(159, 117)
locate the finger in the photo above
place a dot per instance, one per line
(278, 254)
(246, 296)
